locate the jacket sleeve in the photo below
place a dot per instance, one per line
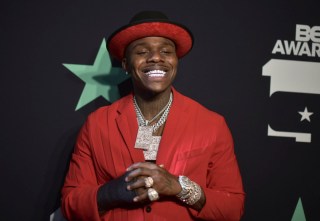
(79, 193)
(224, 189)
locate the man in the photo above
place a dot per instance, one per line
(154, 154)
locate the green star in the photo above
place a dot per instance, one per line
(298, 214)
(101, 79)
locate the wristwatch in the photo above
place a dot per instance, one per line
(191, 191)
(186, 186)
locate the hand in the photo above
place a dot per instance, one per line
(164, 183)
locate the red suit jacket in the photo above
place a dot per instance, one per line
(196, 143)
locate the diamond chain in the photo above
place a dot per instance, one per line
(143, 122)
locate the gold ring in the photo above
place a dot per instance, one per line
(148, 182)
(153, 194)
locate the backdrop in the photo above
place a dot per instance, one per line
(257, 63)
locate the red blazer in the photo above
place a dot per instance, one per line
(196, 143)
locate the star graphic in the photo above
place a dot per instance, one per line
(305, 115)
(101, 79)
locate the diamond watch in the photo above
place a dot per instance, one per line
(186, 186)
(191, 191)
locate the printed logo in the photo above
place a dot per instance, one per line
(293, 76)
(307, 43)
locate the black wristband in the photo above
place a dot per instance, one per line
(115, 194)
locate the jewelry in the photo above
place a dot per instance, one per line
(151, 152)
(148, 182)
(153, 194)
(186, 186)
(143, 122)
(145, 140)
(191, 191)
(144, 137)
(195, 196)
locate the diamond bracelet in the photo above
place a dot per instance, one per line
(191, 191)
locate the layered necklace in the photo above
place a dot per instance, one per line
(145, 140)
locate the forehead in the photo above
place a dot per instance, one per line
(151, 42)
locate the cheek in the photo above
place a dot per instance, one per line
(174, 61)
(174, 65)
(136, 64)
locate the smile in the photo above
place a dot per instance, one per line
(156, 73)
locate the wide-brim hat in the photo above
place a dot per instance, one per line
(150, 24)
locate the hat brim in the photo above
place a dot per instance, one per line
(180, 35)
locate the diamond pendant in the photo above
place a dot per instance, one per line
(151, 154)
(144, 137)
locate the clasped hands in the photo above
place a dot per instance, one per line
(150, 181)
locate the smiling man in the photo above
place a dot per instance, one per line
(152, 63)
(154, 154)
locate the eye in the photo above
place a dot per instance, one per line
(167, 51)
(141, 52)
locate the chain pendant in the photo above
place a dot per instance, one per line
(144, 137)
(151, 153)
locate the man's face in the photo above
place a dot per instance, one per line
(152, 63)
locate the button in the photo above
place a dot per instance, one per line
(148, 209)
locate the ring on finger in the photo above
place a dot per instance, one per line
(153, 194)
(148, 182)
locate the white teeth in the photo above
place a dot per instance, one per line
(156, 73)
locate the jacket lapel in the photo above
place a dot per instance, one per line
(173, 132)
(128, 127)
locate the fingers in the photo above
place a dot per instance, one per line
(140, 182)
(147, 165)
(138, 173)
(143, 169)
(139, 187)
(143, 174)
(144, 194)
(142, 197)
(148, 175)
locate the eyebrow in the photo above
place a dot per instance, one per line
(167, 43)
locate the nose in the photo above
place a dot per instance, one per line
(155, 56)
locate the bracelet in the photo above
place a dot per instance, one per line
(191, 191)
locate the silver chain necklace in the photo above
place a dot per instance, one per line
(143, 122)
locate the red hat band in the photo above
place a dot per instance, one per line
(180, 35)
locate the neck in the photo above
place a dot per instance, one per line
(152, 105)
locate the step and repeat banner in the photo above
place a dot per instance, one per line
(256, 63)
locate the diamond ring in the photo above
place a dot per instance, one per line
(148, 182)
(153, 194)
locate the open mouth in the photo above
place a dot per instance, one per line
(155, 73)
